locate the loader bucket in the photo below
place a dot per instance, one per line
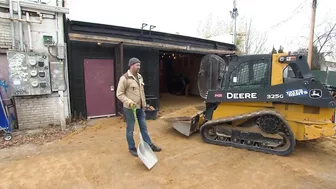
(185, 125)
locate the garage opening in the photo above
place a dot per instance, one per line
(178, 74)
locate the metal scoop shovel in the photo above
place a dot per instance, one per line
(144, 151)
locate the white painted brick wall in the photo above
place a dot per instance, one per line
(35, 112)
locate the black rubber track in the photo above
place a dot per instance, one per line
(285, 129)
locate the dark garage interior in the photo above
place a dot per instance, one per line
(175, 66)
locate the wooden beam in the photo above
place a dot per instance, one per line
(121, 57)
(114, 40)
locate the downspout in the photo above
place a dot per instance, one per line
(29, 33)
(12, 22)
(57, 33)
(20, 25)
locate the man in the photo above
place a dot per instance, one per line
(185, 85)
(130, 92)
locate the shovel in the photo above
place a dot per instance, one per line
(144, 151)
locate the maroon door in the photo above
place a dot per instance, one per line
(99, 87)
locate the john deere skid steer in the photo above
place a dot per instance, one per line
(261, 103)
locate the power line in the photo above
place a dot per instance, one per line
(296, 11)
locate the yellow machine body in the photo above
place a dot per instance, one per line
(305, 122)
(264, 126)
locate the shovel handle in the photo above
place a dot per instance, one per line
(136, 121)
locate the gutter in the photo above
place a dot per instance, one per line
(156, 45)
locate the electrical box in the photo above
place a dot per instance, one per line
(29, 73)
(47, 40)
(57, 76)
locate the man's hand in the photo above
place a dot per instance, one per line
(132, 105)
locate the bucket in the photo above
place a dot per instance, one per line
(151, 114)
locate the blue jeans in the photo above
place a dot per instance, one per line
(130, 121)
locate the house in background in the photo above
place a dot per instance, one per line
(328, 66)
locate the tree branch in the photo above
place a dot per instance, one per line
(326, 39)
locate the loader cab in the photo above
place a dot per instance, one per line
(249, 71)
(234, 72)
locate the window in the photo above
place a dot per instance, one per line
(240, 76)
(252, 74)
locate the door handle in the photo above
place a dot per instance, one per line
(112, 88)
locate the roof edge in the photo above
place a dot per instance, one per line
(138, 31)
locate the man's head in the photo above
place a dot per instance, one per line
(134, 65)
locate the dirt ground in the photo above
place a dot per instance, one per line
(97, 157)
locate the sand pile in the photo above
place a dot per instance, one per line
(187, 111)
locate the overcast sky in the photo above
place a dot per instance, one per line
(286, 22)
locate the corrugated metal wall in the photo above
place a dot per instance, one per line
(326, 78)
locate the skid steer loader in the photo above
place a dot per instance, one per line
(263, 103)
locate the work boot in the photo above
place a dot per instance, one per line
(155, 148)
(134, 152)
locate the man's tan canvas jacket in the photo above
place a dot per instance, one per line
(130, 90)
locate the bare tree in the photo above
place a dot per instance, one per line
(323, 45)
(211, 27)
(318, 58)
(255, 41)
(249, 39)
(325, 41)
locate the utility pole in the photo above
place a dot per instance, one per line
(311, 36)
(247, 37)
(234, 15)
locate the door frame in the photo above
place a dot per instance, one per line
(119, 59)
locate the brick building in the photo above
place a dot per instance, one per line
(32, 61)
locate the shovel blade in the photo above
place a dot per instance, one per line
(147, 155)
